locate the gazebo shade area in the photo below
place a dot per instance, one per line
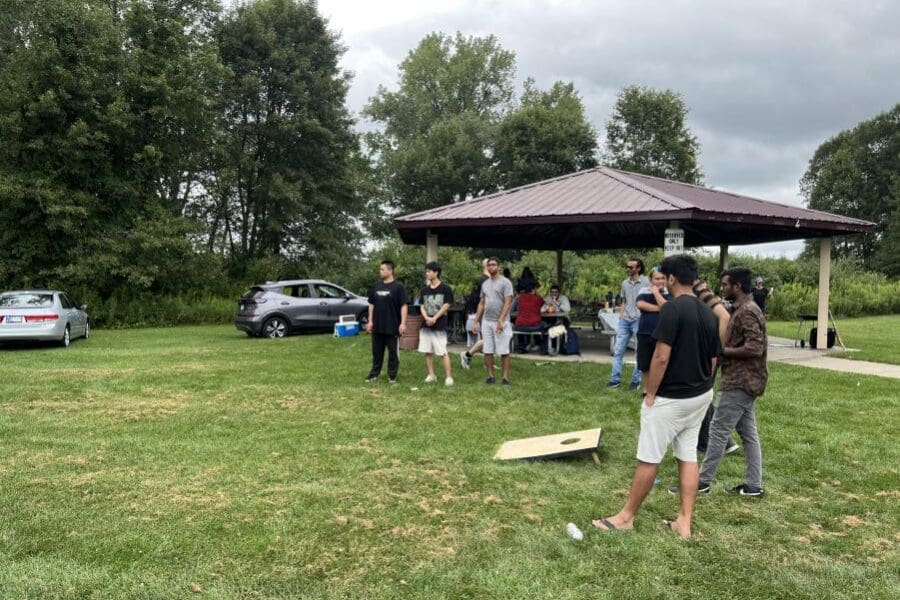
(604, 208)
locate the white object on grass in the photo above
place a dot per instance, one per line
(574, 532)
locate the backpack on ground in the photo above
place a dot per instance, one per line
(572, 345)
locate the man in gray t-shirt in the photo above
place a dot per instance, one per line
(492, 319)
(495, 291)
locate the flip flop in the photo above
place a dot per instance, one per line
(607, 524)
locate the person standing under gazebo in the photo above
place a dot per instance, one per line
(629, 320)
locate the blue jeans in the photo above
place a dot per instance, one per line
(624, 331)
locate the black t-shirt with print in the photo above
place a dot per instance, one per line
(388, 299)
(691, 329)
(433, 299)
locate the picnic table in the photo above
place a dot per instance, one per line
(608, 323)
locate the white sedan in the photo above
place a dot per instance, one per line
(41, 316)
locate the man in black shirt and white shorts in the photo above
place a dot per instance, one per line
(679, 388)
(437, 297)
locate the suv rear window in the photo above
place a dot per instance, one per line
(26, 300)
(254, 292)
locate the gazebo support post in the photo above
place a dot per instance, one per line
(824, 289)
(431, 246)
(723, 259)
(559, 275)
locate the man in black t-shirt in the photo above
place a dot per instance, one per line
(387, 321)
(436, 300)
(679, 388)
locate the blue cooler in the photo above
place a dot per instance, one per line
(347, 326)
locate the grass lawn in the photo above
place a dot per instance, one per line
(876, 338)
(198, 463)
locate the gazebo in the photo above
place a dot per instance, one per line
(604, 208)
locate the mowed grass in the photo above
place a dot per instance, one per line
(198, 463)
(876, 338)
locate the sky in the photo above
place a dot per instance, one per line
(765, 81)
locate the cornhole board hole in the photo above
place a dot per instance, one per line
(557, 445)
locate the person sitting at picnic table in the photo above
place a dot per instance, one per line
(555, 303)
(528, 304)
(649, 301)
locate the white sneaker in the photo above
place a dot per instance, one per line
(431, 379)
(448, 382)
(465, 360)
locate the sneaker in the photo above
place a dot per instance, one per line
(371, 380)
(703, 490)
(612, 384)
(490, 380)
(465, 359)
(732, 447)
(448, 382)
(430, 379)
(392, 380)
(748, 490)
(634, 386)
(506, 382)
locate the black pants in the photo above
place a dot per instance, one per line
(380, 341)
(703, 437)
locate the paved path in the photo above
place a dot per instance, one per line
(595, 350)
(844, 365)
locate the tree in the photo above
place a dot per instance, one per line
(282, 180)
(647, 133)
(546, 136)
(170, 81)
(439, 126)
(857, 174)
(104, 116)
(62, 117)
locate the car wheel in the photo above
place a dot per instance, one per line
(87, 329)
(276, 327)
(362, 318)
(66, 338)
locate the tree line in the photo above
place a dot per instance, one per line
(162, 147)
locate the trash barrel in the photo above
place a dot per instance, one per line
(410, 339)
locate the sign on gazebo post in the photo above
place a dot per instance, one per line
(674, 242)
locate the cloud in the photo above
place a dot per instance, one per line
(766, 82)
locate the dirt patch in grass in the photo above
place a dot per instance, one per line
(155, 405)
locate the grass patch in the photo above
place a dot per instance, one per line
(198, 463)
(875, 337)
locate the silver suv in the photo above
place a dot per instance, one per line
(277, 308)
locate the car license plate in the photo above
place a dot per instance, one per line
(12, 319)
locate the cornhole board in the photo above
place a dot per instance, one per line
(557, 445)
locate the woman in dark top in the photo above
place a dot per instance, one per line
(526, 280)
(649, 300)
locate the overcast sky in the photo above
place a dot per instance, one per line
(766, 81)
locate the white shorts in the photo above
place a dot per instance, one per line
(673, 421)
(432, 342)
(496, 343)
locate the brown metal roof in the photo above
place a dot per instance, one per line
(608, 208)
